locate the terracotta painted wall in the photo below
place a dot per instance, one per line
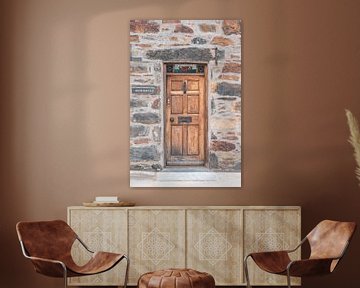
(64, 111)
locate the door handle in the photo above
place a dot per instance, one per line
(171, 119)
(184, 86)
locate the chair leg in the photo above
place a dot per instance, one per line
(65, 276)
(127, 271)
(288, 278)
(246, 272)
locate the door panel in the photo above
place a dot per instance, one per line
(185, 120)
(193, 140)
(176, 104)
(177, 140)
(193, 104)
(176, 85)
(193, 85)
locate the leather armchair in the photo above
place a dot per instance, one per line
(48, 245)
(328, 242)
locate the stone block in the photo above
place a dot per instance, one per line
(138, 67)
(213, 161)
(143, 79)
(236, 107)
(156, 134)
(213, 87)
(180, 28)
(227, 98)
(141, 167)
(231, 137)
(138, 130)
(220, 54)
(229, 77)
(198, 41)
(207, 28)
(181, 54)
(146, 118)
(157, 167)
(229, 165)
(213, 106)
(157, 67)
(141, 141)
(231, 67)
(220, 123)
(137, 167)
(222, 41)
(228, 135)
(222, 146)
(134, 102)
(134, 38)
(228, 89)
(143, 46)
(135, 59)
(231, 27)
(156, 104)
(144, 26)
(144, 153)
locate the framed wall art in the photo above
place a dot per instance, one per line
(185, 103)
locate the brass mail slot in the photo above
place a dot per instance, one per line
(184, 119)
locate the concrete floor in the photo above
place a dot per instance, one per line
(185, 177)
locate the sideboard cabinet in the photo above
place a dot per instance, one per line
(212, 239)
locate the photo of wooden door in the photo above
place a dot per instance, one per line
(185, 120)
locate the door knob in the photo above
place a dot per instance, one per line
(171, 119)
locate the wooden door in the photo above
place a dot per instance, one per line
(185, 118)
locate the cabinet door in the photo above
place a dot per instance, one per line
(101, 230)
(214, 244)
(270, 230)
(156, 240)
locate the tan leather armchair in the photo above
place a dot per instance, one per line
(48, 245)
(328, 242)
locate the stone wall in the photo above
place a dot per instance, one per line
(154, 41)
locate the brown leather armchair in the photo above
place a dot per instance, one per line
(48, 245)
(328, 242)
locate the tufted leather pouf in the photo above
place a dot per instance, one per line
(176, 278)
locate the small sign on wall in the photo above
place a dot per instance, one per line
(144, 89)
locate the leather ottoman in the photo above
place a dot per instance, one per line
(176, 278)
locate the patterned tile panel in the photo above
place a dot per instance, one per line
(156, 246)
(214, 242)
(270, 230)
(157, 241)
(100, 230)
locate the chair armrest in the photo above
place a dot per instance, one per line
(48, 267)
(45, 260)
(281, 251)
(267, 253)
(83, 244)
(298, 246)
(271, 261)
(309, 267)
